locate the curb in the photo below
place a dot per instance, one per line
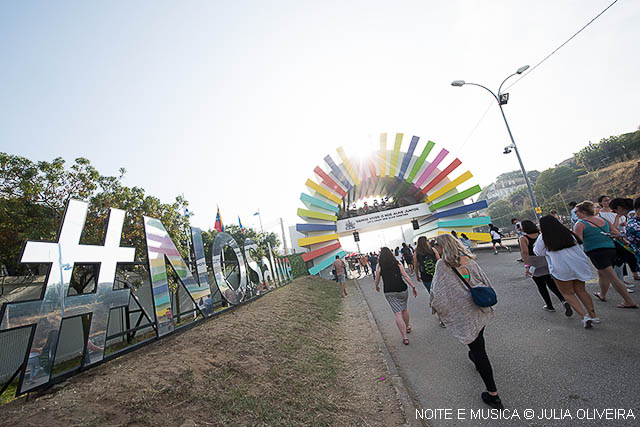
(407, 401)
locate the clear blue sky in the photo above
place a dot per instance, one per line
(233, 103)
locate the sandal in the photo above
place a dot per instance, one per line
(597, 295)
(408, 329)
(405, 341)
(627, 306)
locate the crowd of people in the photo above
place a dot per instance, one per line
(558, 258)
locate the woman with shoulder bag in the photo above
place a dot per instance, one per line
(540, 273)
(595, 233)
(455, 278)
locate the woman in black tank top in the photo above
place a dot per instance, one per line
(542, 281)
(395, 280)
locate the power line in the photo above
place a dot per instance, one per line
(476, 126)
(533, 68)
(562, 45)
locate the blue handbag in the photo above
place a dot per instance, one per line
(483, 296)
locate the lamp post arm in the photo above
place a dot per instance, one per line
(503, 82)
(485, 88)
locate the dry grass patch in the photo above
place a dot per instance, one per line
(297, 356)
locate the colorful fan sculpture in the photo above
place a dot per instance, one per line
(406, 187)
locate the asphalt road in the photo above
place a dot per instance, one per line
(542, 361)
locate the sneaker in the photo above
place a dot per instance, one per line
(442, 325)
(595, 319)
(549, 308)
(567, 309)
(586, 322)
(630, 289)
(493, 401)
(508, 249)
(495, 253)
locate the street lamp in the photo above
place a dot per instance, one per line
(501, 99)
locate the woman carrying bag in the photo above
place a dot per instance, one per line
(459, 286)
(538, 269)
(595, 233)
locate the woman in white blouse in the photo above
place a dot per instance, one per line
(568, 265)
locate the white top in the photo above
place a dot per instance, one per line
(609, 216)
(566, 264)
(495, 235)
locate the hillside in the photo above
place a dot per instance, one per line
(619, 180)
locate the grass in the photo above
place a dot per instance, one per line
(277, 361)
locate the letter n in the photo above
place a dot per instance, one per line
(160, 250)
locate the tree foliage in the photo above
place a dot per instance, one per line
(33, 197)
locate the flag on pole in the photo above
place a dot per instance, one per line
(239, 222)
(218, 225)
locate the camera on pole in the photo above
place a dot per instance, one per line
(415, 224)
(356, 236)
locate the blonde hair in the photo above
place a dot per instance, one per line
(587, 207)
(451, 250)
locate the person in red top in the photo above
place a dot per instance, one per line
(341, 273)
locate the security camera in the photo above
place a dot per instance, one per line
(507, 149)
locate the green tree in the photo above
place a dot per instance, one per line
(555, 180)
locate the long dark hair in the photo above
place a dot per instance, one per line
(555, 235)
(529, 227)
(386, 259)
(423, 248)
(626, 204)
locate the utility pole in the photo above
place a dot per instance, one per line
(284, 239)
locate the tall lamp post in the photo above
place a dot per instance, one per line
(502, 99)
(260, 218)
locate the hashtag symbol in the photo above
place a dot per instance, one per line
(55, 305)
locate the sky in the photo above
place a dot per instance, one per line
(234, 103)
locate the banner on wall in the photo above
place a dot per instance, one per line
(384, 218)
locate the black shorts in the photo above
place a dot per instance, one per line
(602, 258)
(498, 241)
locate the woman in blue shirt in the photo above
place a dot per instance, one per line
(595, 233)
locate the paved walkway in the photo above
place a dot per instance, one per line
(541, 360)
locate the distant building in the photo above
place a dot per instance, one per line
(505, 185)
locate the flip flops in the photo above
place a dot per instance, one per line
(597, 295)
(405, 341)
(626, 306)
(408, 329)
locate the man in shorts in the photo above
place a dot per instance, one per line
(341, 273)
(496, 239)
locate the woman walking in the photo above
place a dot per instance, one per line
(425, 258)
(451, 300)
(595, 232)
(395, 289)
(568, 265)
(540, 273)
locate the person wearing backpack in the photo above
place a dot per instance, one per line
(425, 258)
(456, 277)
